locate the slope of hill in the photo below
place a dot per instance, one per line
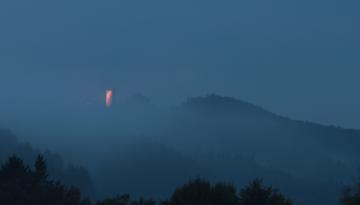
(149, 150)
(304, 149)
(222, 138)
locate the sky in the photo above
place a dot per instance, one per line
(298, 58)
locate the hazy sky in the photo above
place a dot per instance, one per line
(299, 58)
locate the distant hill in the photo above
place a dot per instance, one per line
(148, 150)
(301, 148)
(223, 138)
(215, 104)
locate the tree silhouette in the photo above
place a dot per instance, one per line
(200, 192)
(118, 200)
(143, 201)
(56, 169)
(256, 194)
(19, 185)
(15, 182)
(125, 200)
(40, 169)
(351, 194)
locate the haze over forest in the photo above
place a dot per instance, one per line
(224, 91)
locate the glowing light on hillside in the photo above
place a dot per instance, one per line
(108, 97)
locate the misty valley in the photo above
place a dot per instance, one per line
(185, 102)
(206, 150)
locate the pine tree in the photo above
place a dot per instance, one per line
(40, 169)
(15, 182)
(256, 194)
(203, 192)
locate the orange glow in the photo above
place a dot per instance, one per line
(108, 97)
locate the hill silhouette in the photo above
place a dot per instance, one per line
(240, 127)
(223, 138)
(220, 138)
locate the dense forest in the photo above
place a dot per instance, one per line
(179, 102)
(147, 150)
(57, 169)
(24, 185)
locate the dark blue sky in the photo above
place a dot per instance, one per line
(297, 58)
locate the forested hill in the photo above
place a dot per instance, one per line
(343, 141)
(303, 148)
(228, 139)
(148, 150)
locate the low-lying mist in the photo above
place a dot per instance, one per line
(145, 149)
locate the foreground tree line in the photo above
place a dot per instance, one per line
(21, 185)
(68, 173)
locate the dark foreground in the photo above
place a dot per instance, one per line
(23, 185)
